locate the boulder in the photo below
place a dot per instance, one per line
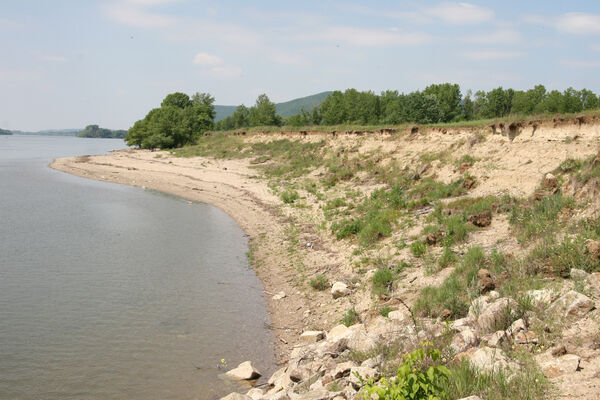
(500, 311)
(593, 283)
(236, 396)
(463, 340)
(373, 362)
(496, 339)
(578, 274)
(485, 281)
(541, 296)
(276, 377)
(516, 327)
(399, 316)
(480, 303)
(244, 371)
(471, 398)
(434, 238)
(338, 332)
(573, 304)
(488, 359)
(593, 247)
(364, 372)
(343, 369)
(339, 289)
(565, 364)
(526, 337)
(481, 219)
(550, 181)
(278, 296)
(255, 393)
(359, 340)
(310, 337)
(319, 394)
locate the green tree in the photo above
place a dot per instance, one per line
(263, 113)
(448, 97)
(333, 110)
(177, 99)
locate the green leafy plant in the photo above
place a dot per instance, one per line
(418, 248)
(289, 196)
(382, 281)
(350, 318)
(319, 282)
(420, 377)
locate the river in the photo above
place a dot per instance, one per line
(116, 292)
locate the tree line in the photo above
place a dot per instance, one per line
(94, 131)
(182, 119)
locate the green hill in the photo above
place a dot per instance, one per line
(284, 109)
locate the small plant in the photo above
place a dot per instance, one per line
(447, 258)
(385, 311)
(419, 376)
(382, 281)
(289, 196)
(350, 318)
(418, 248)
(319, 282)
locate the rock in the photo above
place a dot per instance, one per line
(488, 359)
(593, 247)
(496, 339)
(363, 372)
(276, 377)
(373, 362)
(497, 313)
(399, 316)
(339, 289)
(236, 396)
(516, 327)
(310, 337)
(567, 363)
(573, 304)
(526, 337)
(255, 393)
(593, 283)
(434, 238)
(578, 274)
(549, 181)
(359, 340)
(541, 296)
(485, 282)
(481, 219)
(338, 332)
(244, 371)
(463, 340)
(319, 394)
(480, 303)
(559, 350)
(317, 385)
(471, 398)
(445, 314)
(278, 296)
(343, 369)
(461, 323)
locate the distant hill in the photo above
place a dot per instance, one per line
(94, 131)
(285, 109)
(50, 132)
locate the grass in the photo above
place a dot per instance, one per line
(540, 218)
(382, 280)
(289, 196)
(418, 248)
(558, 258)
(350, 317)
(385, 311)
(456, 292)
(319, 282)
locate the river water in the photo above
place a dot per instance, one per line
(116, 292)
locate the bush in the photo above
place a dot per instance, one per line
(382, 281)
(420, 376)
(385, 311)
(350, 318)
(319, 282)
(418, 248)
(289, 196)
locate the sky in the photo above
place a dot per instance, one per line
(70, 63)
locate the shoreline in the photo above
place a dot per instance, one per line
(231, 187)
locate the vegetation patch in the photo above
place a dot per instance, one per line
(319, 282)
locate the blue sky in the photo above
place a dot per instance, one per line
(69, 63)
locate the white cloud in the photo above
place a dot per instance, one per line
(133, 13)
(207, 59)
(461, 13)
(579, 23)
(369, 37)
(483, 55)
(499, 36)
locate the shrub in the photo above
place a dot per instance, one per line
(419, 376)
(385, 311)
(350, 318)
(447, 258)
(540, 218)
(418, 248)
(289, 196)
(382, 281)
(319, 282)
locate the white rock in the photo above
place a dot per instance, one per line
(319, 394)
(562, 365)
(255, 393)
(343, 369)
(363, 372)
(490, 360)
(496, 312)
(236, 396)
(573, 304)
(471, 398)
(339, 289)
(278, 296)
(541, 296)
(497, 339)
(464, 340)
(399, 316)
(338, 332)
(310, 337)
(359, 340)
(578, 274)
(244, 371)
(516, 327)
